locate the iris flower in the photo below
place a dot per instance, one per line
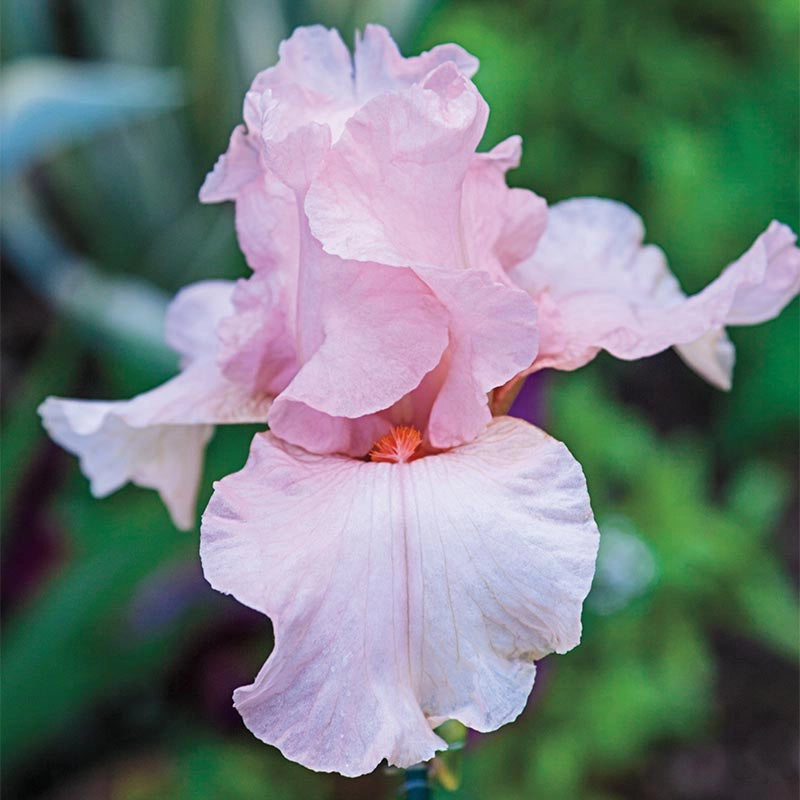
(416, 550)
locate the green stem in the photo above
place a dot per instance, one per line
(416, 786)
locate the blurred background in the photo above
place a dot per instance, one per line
(118, 661)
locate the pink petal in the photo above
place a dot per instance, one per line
(501, 226)
(155, 440)
(382, 330)
(322, 433)
(266, 225)
(316, 81)
(167, 458)
(379, 67)
(493, 336)
(401, 594)
(759, 284)
(296, 158)
(193, 317)
(234, 169)
(390, 188)
(290, 109)
(459, 331)
(257, 343)
(597, 287)
(199, 395)
(314, 58)
(311, 83)
(266, 211)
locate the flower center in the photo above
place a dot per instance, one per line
(398, 446)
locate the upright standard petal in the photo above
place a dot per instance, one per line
(501, 226)
(314, 85)
(192, 318)
(401, 594)
(266, 210)
(234, 169)
(379, 67)
(598, 287)
(389, 190)
(313, 58)
(257, 348)
(315, 79)
(311, 83)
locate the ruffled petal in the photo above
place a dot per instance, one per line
(266, 210)
(193, 317)
(598, 288)
(323, 433)
(759, 284)
(157, 439)
(313, 58)
(390, 189)
(381, 330)
(167, 458)
(267, 225)
(257, 344)
(292, 113)
(379, 66)
(311, 83)
(401, 594)
(443, 339)
(493, 336)
(296, 158)
(501, 226)
(234, 169)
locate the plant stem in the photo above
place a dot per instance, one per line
(416, 786)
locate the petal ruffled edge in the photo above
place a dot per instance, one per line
(155, 440)
(168, 458)
(379, 66)
(313, 57)
(382, 331)
(234, 169)
(389, 190)
(501, 226)
(598, 287)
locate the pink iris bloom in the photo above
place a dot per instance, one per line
(383, 186)
(415, 554)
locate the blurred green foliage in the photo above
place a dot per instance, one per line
(687, 112)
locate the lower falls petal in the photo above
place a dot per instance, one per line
(401, 594)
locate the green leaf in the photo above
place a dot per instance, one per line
(48, 103)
